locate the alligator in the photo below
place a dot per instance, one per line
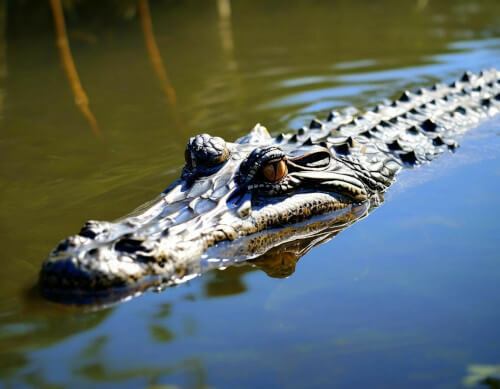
(266, 196)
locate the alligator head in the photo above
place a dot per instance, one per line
(233, 202)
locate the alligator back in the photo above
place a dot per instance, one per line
(414, 129)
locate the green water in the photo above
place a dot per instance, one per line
(408, 297)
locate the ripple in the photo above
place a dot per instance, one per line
(318, 95)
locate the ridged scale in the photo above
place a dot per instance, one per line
(416, 128)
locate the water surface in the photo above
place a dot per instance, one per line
(407, 297)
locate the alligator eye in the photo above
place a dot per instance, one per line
(205, 152)
(275, 171)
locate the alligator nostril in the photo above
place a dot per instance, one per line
(129, 245)
(87, 233)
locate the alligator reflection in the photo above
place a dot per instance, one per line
(280, 261)
(226, 282)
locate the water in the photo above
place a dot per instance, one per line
(407, 297)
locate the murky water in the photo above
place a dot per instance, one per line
(408, 297)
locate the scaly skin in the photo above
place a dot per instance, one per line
(237, 201)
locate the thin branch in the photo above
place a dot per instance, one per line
(154, 53)
(81, 99)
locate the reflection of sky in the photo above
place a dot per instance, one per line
(327, 91)
(320, 94)
(472, 55)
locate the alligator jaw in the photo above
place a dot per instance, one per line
(101, 281)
